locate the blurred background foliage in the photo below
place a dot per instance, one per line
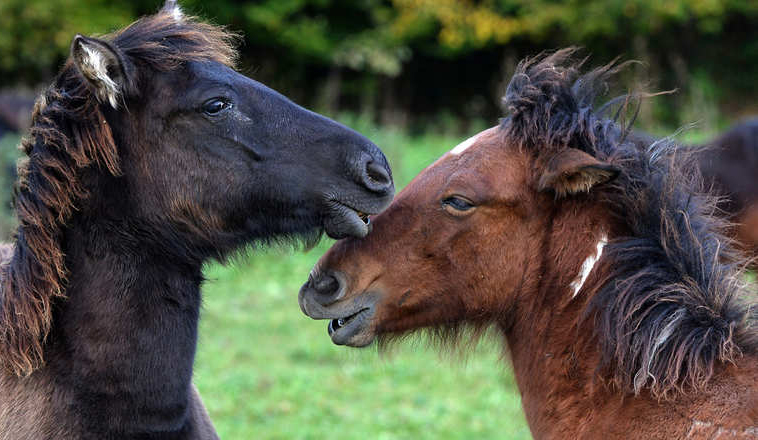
(404, 62)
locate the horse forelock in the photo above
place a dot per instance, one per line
(69, 133)
(668, 306)
(170, 38)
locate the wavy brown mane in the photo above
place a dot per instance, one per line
(69, 135)
(670, 305)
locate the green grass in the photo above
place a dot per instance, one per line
(266, 371)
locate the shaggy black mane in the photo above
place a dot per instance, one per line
(670, 306)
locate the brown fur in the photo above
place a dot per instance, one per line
(661, 342)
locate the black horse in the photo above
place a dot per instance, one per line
(15, 108)
(730, 166)
(147, 156)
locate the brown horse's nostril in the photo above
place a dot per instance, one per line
(326, 285)
(327, 288)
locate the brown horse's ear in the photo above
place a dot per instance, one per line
(573, 171)
(102, 66)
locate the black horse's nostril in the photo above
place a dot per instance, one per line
(374, 175)
(378, 173)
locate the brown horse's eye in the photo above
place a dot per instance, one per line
(457, 203)
(213, 107)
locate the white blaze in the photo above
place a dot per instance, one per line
(587, 266)
(460, 148)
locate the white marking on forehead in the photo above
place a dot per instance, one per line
(463, 146)
(587, 266)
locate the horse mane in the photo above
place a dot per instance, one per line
(70, 134)
(669, 305)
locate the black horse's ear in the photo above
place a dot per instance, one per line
(172, 8)
(573, 171)
(102, 66)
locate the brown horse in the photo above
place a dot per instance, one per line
(148, 156)
(597, 260)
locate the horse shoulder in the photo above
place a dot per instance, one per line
(728, 406)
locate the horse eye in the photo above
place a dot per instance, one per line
(213, 107)
(458, 203)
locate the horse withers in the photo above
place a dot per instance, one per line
(600, 263)
(147, 156)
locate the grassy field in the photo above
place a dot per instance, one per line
(268, 372)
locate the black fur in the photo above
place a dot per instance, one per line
(120, 207)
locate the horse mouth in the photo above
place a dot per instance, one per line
(363, 216)
(350, 320)
(343, 220)
(352, 329)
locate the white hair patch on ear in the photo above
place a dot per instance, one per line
(463, 146)
(96, 68)
(177, 13)
(588, 265)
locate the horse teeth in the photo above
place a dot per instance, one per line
(340, 322)
(363, 216)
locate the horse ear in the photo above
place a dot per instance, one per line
(172, 7)
(102, 66)
(573, 171)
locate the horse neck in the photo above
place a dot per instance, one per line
(123, 342)
(554, 372)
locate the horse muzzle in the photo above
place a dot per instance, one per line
(323, 296)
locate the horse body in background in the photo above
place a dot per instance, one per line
(730, 164)
(147, 156)
(600, 262)
(15, 111)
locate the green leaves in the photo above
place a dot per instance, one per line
(365, 47)
(36, 34)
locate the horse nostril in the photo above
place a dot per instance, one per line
(374, 175)
(378, 174)
(326, 285)
(326, 288)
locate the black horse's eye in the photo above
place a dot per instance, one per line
(458, 203)
(213, 107)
